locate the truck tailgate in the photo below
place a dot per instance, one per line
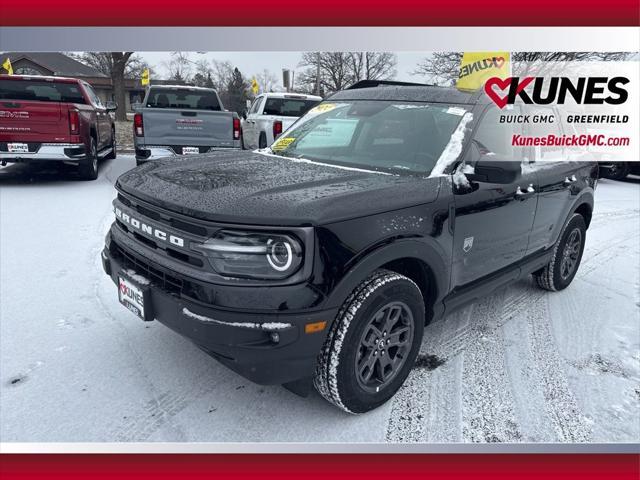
(187, 127)
(32, 120)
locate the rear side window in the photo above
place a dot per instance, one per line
(183, 98)
(288, 107)
(41, 91)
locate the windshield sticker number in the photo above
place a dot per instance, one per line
(282, 144)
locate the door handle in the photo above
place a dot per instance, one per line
(569, 180)
(522, 194)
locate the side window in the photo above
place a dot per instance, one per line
(93, 96)
(256, 104)
(545, 153)
(493, 137)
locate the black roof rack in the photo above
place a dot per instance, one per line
(382, 83)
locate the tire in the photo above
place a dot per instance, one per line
(358, 332)
(114, 144)
(618, 171)
(262, 141)
(88, 168)
(558, 274)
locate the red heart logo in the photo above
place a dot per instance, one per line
(498, 61)
(503, 85)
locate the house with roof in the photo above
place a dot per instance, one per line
(61, 65)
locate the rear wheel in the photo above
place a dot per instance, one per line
(262, 141)
(88, 168)
(372, 344)
(559, 272)
(618, 171)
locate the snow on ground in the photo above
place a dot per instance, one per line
(522, 365)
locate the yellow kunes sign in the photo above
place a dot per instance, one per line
(145, 77)
(477, 67)
(7, 66)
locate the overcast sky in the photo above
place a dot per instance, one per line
(251, 63)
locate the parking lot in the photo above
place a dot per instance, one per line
(522, 365)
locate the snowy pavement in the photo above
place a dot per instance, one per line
(520, 366)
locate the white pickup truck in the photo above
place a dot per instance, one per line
(271, 114)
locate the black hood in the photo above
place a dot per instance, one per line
(252, 188)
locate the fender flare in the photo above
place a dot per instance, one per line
(425, 250)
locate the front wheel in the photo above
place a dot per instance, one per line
(567, 254)
(372, 344)
(114, 144)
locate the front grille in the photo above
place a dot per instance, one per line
(165, 281)
(180, 225)
(162, 278)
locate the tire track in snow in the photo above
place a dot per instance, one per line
(487, 401)
(426, 408)
(431, 404)
(569, 423)
(492, 348)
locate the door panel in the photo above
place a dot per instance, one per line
(492, 226)
(557, 183)
(492, 221)
(251, 124)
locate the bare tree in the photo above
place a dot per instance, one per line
(338, 70)
(442, 68)
(204, 74)
(179, 67)
(118, 66)
(267, 80)
(222, 72)
(334, 69)
(373, 65)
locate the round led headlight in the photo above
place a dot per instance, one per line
(252, 255)
(279, 254)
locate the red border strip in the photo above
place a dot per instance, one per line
(322, 13)
(321, 467)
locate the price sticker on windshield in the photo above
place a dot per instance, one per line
(282, 144)
(323, 108)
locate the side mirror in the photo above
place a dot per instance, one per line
(495, 169)
(111, 106)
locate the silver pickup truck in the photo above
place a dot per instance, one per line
(180, 120)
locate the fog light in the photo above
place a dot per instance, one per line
(275, 337)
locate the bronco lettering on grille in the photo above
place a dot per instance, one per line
(148, 229)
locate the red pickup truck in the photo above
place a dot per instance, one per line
(54, 119)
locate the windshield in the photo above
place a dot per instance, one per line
(41, 91)
(288, 107)
(379, 135)
(183, 98)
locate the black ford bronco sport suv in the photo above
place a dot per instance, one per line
(320, 260)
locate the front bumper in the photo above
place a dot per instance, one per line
(267, 348)
(67, 152)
